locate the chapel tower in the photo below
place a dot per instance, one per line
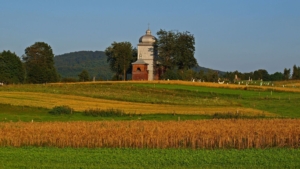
(145, 68)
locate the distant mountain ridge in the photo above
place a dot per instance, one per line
(205, 70)
(69, 65)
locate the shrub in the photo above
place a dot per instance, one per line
(69, 79)
(171, 75)
(104, 113)
(230, 115)
(58, 110)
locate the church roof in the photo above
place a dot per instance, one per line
(139, 62)
(147, 38)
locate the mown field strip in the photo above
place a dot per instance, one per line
(289, 87)
(81, 103)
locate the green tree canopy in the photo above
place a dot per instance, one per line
(176, 49)
(166, 47)
(286, 73)
(277, 76)
(39, 63)
(120, 55)
(84, 76)
(296, 72)
(212, 76)
(185, 49)
(230, 76)
(261, 74)
(11, 68)
(256, 75)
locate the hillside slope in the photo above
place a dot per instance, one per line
(71, 64)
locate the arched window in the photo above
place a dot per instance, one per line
(138, 69)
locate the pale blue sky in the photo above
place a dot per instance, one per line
(230, 34)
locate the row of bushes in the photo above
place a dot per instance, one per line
(60, 110)
(231, 115)
(104, 113)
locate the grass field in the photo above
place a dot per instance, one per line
(45, 157)
(160, 97)
(81, 103)
(11, 113)
(163, 112)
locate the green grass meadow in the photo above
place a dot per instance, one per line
(45, 157)
(283, 104)
(11, 113)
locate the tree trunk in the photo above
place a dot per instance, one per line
(124, 78)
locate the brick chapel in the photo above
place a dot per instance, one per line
(146, 67)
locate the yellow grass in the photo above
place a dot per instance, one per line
(81, 103)
(210, 134)
(233, 86)
(289, 85)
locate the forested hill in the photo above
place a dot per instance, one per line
(71, 64)
(206, 70)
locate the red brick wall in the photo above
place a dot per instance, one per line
(139, 72)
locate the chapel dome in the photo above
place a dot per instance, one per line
(148, 38)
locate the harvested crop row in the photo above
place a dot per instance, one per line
(208, 134)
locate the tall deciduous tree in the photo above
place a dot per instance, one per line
(261, 74)
(185, 49)
(296, 72)
(39, 63)
(212, 75)
(166, 47)
(119, 56)
(286, 73)
(176, 49)
(11, 68)
(277, 76)
(84, 76)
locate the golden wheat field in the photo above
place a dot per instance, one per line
(208, 134)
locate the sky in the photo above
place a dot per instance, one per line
(243, 35)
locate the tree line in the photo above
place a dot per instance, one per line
(176, 55)
(37, 65)
(263, 74)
